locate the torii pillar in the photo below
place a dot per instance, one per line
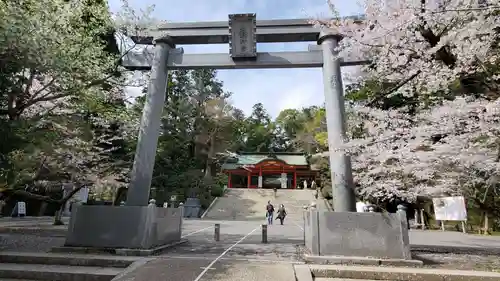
(340, 162)
(147, 143)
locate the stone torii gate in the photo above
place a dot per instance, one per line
(138, 226)
(242, 32)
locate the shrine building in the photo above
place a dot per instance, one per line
(265, 170)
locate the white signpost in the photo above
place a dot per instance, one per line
(450, 209)
(21, 209)
(361, 207)
(82, 195)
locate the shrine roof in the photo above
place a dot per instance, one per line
(295, 159)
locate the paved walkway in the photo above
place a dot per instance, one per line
(204, 270)
(418, 238)
(240, 255)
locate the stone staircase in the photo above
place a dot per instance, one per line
(250, 204)
(295, 200)
(61, 267)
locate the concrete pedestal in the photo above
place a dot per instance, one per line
(129, 227)
(349, 234)
(192, 208)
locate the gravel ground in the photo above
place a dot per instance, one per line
(29, 243)
(460, 261)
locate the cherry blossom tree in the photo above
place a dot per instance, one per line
(450, 149)
(424, 54)
(421, 47)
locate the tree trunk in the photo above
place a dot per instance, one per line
(485, 224)
(58, 216)
(486, 230)
(43, 207)
(210, 157)
(62, 204)
(208, 168)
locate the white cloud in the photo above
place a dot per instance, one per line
(299, 97)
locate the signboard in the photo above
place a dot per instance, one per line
(248, 167)
(21, 209)
(82, 195)
(260, 182)
(361, 207)
(450, 208)
(173, 198)
(242, 36)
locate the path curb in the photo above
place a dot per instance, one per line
(400, 273)
(302, 272)
(209, 207)
(119, 252)
(131, 268)
(343, 260)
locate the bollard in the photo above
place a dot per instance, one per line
(181, 209)
(422, 218)
(264, 233)
(402, 213)
(304, 214)
(217, 232)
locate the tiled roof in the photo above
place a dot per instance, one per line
(252, 159)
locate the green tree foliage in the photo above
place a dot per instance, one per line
(62, 117)
(259, 130)
(198, 122)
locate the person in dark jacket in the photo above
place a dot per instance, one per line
(269, 212)
(281, 213)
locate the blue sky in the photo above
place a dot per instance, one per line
(277, 89)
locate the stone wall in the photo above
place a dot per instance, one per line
(311, 232)
(377, 235)
(136, 227)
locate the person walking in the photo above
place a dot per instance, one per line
(281, 213)
(269, 212)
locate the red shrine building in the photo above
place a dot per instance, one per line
(264, 170)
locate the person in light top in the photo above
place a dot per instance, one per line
(281, 213)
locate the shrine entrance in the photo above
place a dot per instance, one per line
(263, 170)
(242, 32)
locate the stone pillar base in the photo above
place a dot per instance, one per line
(350, 234)
(130, 227)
